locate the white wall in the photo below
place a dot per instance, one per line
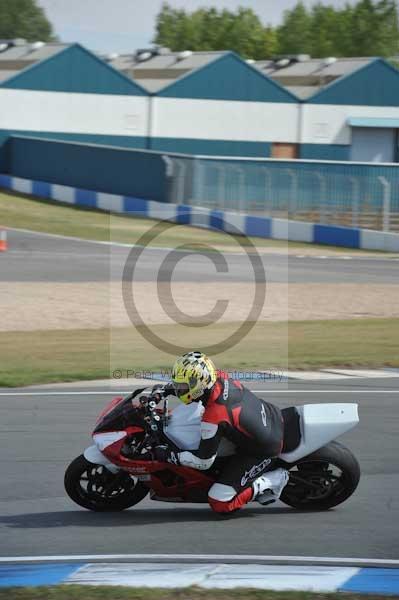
(73, 113)
(181, 118)
(225, 120)
(328, 124)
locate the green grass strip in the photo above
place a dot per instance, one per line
(75, 592)
(35, 357)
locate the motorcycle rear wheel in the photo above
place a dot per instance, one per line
(323, 479)
(94, 487)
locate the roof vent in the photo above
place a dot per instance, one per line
(163, 50)
(19, 42)
(302, 57)
(283, 62)
(184, 54)
(36, 46)
(143, 56)
(329, 61)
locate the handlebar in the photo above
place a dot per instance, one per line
(149, 404)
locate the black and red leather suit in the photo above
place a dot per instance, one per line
(256, 429)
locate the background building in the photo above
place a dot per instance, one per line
(71, 95)
(210, 103)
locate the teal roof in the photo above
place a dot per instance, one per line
(74, 69)
(373, 122)
(228, 77)
(375, 84)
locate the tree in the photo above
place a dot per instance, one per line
(374, 28)
(24, 19)
(167, 26)
(244, 33)
(294, 33)
(323, 24)
(342, 35)
(267, 44)
(368, 28)
(211, 29)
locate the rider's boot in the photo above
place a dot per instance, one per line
(268, 487)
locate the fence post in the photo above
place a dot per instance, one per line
(197, 184)
(292, 207)
(322, 202)
(221, 190)
(268, 190)
(355, 201)
(169, 176)
(386, 203)
(241, 187)
(181, 180)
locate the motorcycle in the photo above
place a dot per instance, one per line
(118, 471)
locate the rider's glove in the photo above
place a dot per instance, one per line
(165, 454)
(160, 391)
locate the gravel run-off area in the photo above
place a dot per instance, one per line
(41, 306)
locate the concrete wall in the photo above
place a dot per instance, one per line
(96, 168)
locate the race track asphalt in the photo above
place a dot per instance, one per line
(41, 434)
(40, 257)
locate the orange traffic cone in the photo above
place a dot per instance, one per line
(3, 240)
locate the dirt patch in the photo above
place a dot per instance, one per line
(34, 306)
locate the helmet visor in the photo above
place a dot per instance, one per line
(181, 389)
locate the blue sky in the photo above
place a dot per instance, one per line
(125, 25)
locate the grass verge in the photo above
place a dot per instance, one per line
(76, 592)
(69, 355)
(24, 212)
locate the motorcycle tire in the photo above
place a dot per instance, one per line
(94, 487)
(323, 479)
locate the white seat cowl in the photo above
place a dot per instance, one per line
(320, 424)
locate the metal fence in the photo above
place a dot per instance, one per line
(351, 194)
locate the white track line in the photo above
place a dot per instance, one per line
(101, 242)
(124, 245)
(100, 393)
(214, 558)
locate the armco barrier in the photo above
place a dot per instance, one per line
(281, 229)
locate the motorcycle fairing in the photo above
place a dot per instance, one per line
(319, 425)
(183, 428)
(93, 455)
(180, 484)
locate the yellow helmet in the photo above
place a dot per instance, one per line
(193, 374)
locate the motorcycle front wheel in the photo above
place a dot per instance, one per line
(323, 479)
(94, 487)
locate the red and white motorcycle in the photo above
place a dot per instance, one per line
(117, 472)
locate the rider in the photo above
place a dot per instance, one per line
(231, 411)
